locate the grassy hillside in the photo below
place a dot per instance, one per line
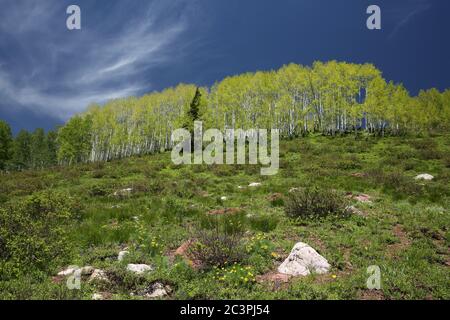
(78, 215)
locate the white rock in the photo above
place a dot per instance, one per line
(122, 255)
(159, 291)
(254, 184)
(424, 176)
(355, 211)
(87, 271)
(98, 276)
(304, 260)
(97, 296)
(139, 268)
(67, 272)
(240, 187)
(123, 192)
(224, 198)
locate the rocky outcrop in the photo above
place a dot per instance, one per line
(123, 193)
(156, 291)
(304, 260)
(122, 255)
(139, 268)
(98, 275)
(424, 176)
(362, 197)
(254, 184)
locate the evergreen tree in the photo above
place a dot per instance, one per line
(22, 150)
(5, 143)
(193, 115)
(52, 148)
(194, 111)
(39, 148)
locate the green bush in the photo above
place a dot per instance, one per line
(217, 247)
(174, 210)
(315, 203)
(264, 222)
(98, 190)
(33, 233)
(233, 221)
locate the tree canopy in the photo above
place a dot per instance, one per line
(330, 98)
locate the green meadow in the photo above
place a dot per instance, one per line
(85, 214)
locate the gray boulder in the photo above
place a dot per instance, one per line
(139, 268)
(304, 260)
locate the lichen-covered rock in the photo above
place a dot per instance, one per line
(355, 211)
(254, 184)
(122, 255)
(304, 260)
(155, 291)
(67, 272)
(87, 271)
(123, 192)
(424, 176)
(158, 290)
(101, 296)
(98, 276)
(139, 268)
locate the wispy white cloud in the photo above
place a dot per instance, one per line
(60, 72)
(407, 12)
(60, 106)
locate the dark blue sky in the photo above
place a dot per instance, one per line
(131, 47)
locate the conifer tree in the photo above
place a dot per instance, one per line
(22, 150)
(5, 143)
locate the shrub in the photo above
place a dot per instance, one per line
(217, 248)
(276, 200)
(428, 149)
(98, 190)
(349, 163)
(174, 210)
(264, 222)
(232, 220)
(315, 203)
(446, 161)
(33, 233)
(400, 185)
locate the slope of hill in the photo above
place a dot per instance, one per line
(205, 233)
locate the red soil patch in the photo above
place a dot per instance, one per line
(404, 242)
(58, 279)
(274, 277)
(359, 197)
(371, 295)
(183, 251)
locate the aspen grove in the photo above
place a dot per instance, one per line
(330, 98)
